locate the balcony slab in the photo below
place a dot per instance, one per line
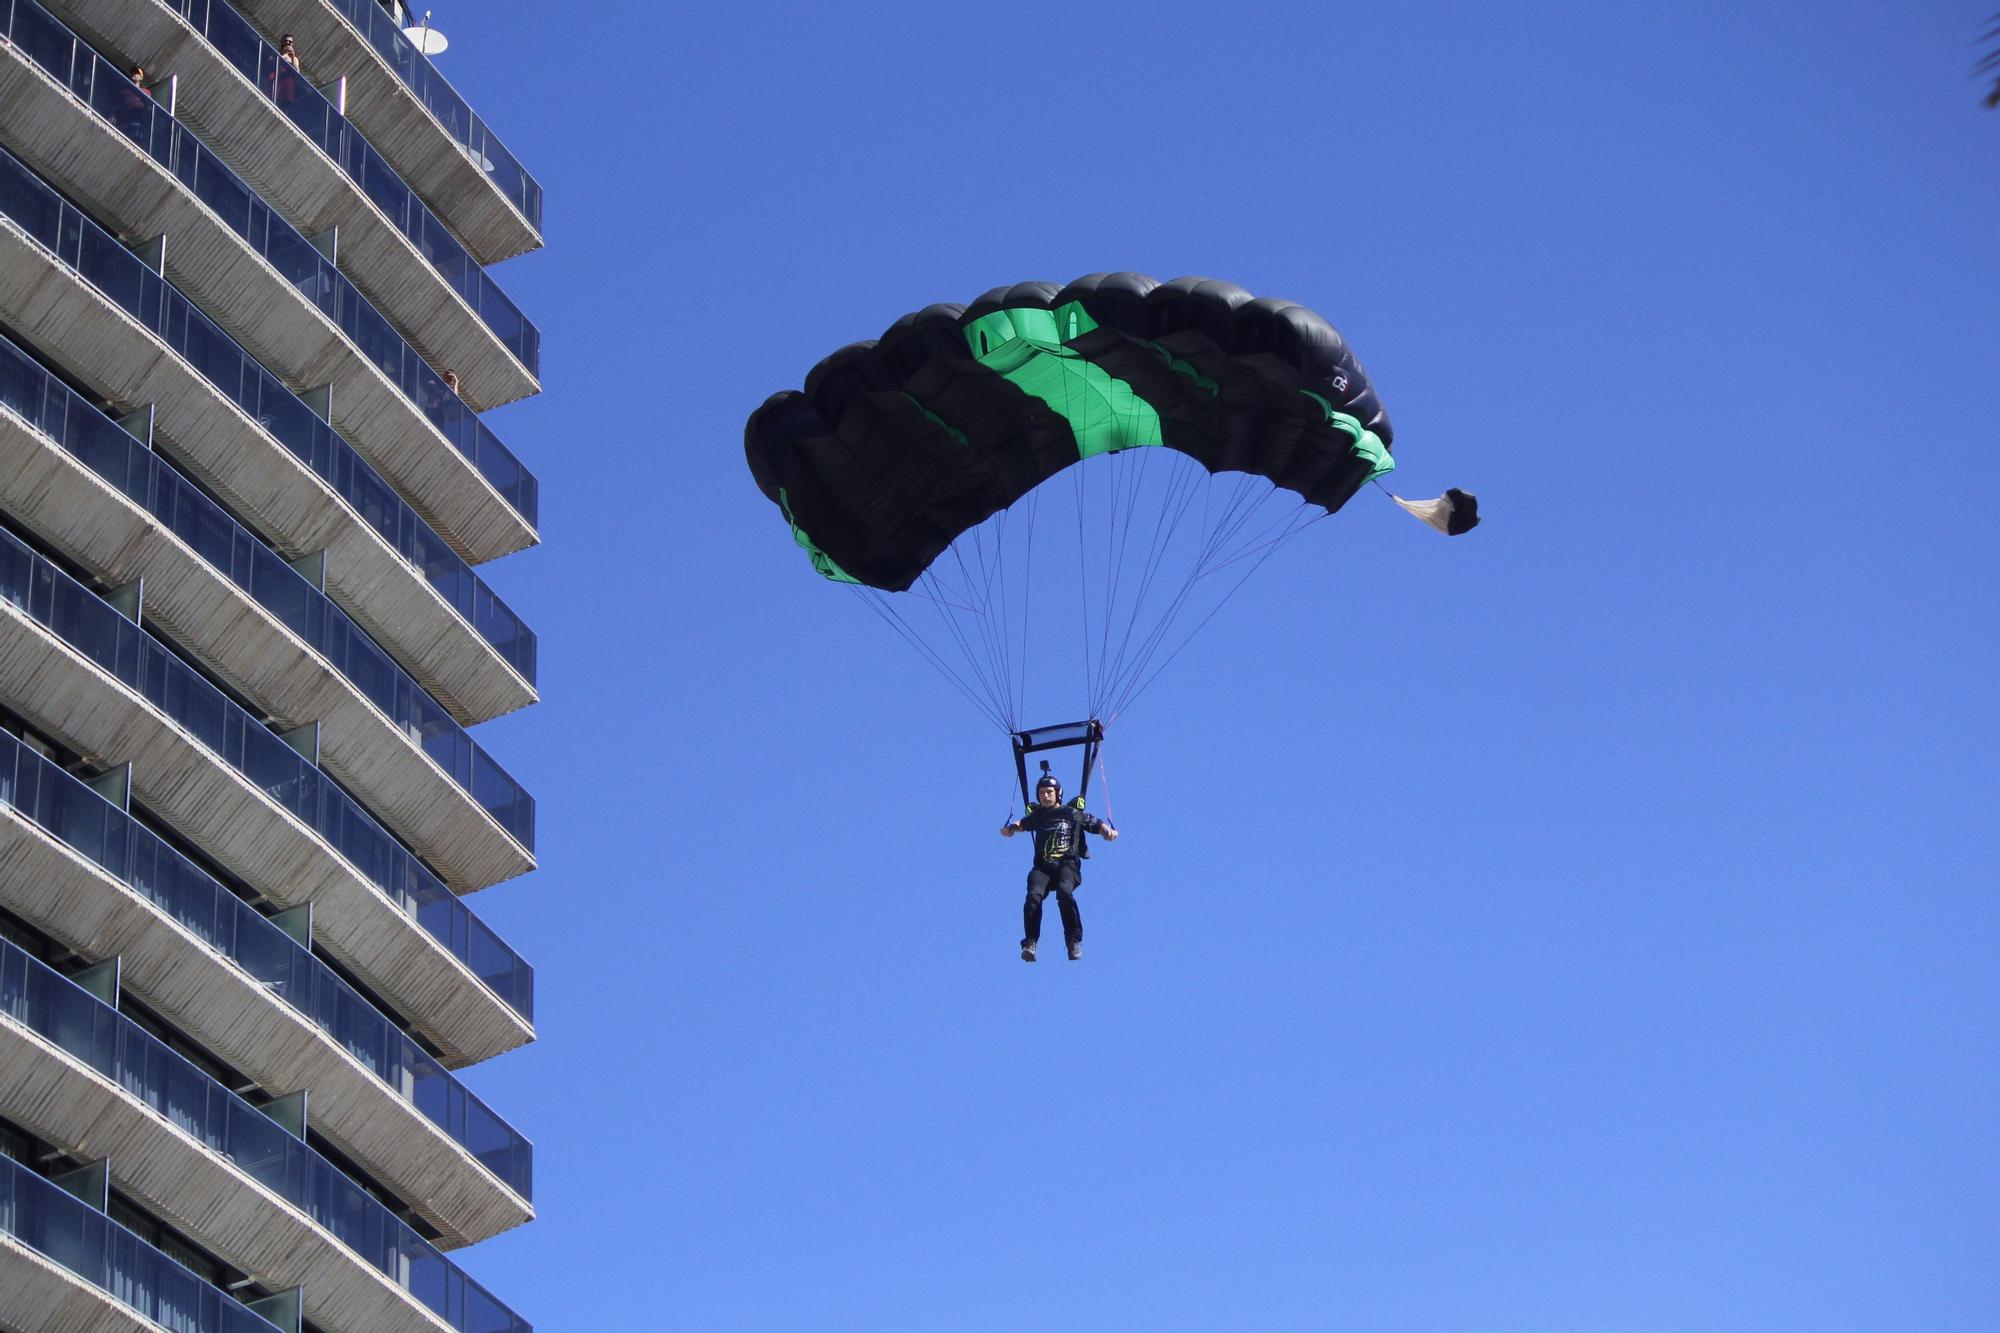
(285, 166)
(197, 1190)
(98, 344)
(38, 1293)
(441, 170)
(69, 698)
(95, 525)
(210, 997)
(70, 145)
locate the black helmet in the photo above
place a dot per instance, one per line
(1049, 779)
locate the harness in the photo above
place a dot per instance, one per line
(1089, 734)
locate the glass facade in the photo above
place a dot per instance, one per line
(97, 257)
(55, 1008)
(149, 481)
(76, 816)
(70, 1233)
(183, 853)
(147, 124)
(451, 111)
(257, 60)
(100, 633)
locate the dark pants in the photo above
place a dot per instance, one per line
(1062, 877)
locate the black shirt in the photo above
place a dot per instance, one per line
(1058, 832)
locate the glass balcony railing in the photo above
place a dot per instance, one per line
(304, 105)
(97, 631)
(56, 1008)
(124, 280)
(69, 1232)
(133, 854)
(66, 58)
(101, 445)
(450, 110)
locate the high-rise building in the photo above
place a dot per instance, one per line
(246, 335)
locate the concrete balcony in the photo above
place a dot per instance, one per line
(72, 146)
(66, 696)
(76, 511)
(233, 1014)
(235, 1217)
(99, 344)
(291, 172)
(38, 1293)
(424, 151)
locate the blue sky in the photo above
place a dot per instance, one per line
(1584, 924)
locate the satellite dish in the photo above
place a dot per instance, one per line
(426, 38)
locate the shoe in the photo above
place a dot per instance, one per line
(1075, 952)
(1027, 951)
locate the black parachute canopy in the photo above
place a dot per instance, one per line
(896, 447)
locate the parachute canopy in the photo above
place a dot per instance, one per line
(897, 446)
(1202, 427)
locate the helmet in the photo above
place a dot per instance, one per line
(1049, 780)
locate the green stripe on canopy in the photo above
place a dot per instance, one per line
(1025, 346)
(1364, 444)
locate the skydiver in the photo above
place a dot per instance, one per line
(1058, 831)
